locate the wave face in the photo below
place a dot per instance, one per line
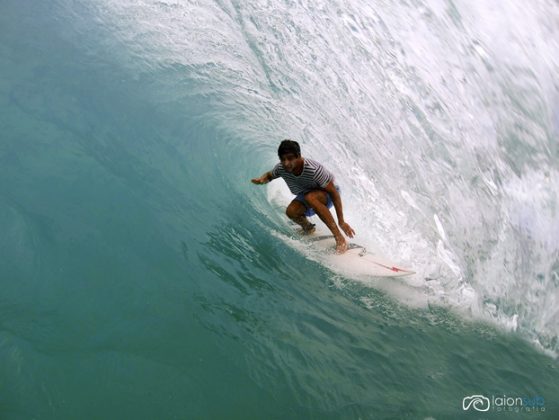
(135, 246)
(439, 120)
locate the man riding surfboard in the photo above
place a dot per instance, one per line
(314, 190)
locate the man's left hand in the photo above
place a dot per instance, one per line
(347, 229)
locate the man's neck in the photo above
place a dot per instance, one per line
(299, 170)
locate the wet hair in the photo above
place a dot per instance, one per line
(289, 146)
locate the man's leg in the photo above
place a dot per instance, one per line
(296, 212)
(318, 200)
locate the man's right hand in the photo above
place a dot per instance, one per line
(259, 181)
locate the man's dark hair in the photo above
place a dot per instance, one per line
(289, 146)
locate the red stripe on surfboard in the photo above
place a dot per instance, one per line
(395, 269)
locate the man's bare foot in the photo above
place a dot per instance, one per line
(341, 245)
(308, 229)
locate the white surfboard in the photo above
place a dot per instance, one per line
(357, 259)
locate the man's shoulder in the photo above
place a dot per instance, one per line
(313, 163)
(278, 170)
(319, 172)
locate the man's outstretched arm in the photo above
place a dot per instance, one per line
(264, 179)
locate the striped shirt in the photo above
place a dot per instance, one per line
(314, 176)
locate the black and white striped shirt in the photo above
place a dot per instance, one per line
(314, 176)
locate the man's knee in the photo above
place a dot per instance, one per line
(290, 212)
(315, 198)
(295, 210)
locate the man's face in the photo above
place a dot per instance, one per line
(289, 161)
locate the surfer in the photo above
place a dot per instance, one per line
(314, 190)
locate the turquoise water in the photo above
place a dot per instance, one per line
(143, 276)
